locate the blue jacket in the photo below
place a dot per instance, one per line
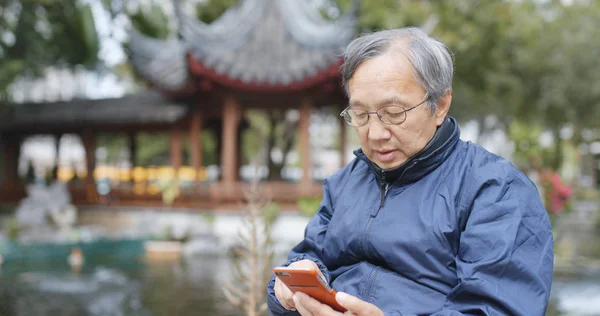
(461, 232)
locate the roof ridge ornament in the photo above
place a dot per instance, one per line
(306, 25)
(229, 31)
(163, 62)
(260, 45)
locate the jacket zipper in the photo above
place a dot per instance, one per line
(370, 283)
(385, 187)
(384, 190)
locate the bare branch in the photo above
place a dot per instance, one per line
(251, 260)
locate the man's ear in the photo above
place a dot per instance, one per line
(443, 106)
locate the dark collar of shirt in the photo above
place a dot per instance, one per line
(429, 158)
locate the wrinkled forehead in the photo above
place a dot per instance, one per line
(393, 64)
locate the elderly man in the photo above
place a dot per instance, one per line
(420, 223)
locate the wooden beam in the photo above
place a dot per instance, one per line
(305, 154)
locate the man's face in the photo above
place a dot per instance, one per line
(389, 80)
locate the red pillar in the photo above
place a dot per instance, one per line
(229, 139)
(195, 140)
(89, 144)
(176, 148)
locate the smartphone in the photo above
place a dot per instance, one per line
(309, 282)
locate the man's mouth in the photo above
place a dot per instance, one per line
(385, 155)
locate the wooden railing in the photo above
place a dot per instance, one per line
(214, 195)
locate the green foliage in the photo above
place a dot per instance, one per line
(253, 137)
(114, 144)
(153, 149)
(12, 228)
(151, 21)
(527, 144)
(209, 218)
(44, 33)
(166, 234)
(169, 189)
(210, 10)
(309, 206)
(209, 148)
(531, 60)
(270, 212)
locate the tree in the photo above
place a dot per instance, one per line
(531, 60)
(252, 259)
(569, 88)
(484, 37)
(271, 130)
(38, 34)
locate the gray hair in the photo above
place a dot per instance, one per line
(431, 59)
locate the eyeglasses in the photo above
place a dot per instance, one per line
(390, 115)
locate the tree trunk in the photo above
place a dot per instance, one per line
(287, 143)
(558, 150)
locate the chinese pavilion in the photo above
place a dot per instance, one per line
(261, 54)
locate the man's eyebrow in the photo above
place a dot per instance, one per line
(391, 100)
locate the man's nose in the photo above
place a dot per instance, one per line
(377, 129)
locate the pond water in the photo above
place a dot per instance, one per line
(188, 287)
(193, 285)
(134, 287)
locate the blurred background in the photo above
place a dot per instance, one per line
(160, 157)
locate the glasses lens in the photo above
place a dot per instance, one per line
(392, 114)
(356, 117)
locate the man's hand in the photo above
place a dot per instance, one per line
(283, 293)
(308, 306)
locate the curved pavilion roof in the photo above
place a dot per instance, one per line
(258, 45)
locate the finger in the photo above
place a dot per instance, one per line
(287, 305)
(284, 296)
(299, 307)
(356, 305)
(313, 306)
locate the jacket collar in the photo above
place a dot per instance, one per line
(430, 157)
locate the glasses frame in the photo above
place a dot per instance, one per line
(379, 115)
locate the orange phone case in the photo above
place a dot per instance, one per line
(308, 281)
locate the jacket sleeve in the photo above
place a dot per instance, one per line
(311, 247)
(505, 258)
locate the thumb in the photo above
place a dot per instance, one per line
(356, 305)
